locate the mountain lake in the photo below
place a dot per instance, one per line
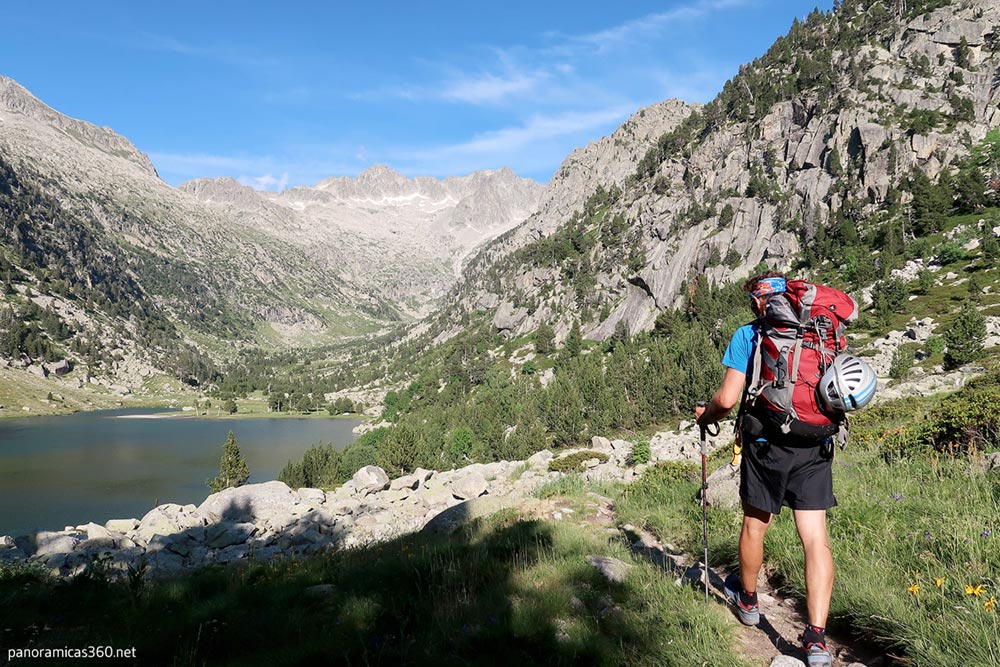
(117, 464)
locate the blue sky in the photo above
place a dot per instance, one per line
(282, 94)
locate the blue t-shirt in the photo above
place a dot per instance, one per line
(739, 354)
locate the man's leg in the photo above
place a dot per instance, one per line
(755, 524)
(811, 525)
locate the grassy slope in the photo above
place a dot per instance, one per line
(905, 517)
(501, 591)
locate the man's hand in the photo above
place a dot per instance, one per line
(699, 411)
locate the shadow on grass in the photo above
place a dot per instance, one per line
(497, 591)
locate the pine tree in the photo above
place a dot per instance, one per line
(574, 341)
(965, 337)
(233, 469)
(544, 339)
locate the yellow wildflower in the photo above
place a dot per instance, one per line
(939, 581)
(989, 604)
(913, 588)
(976, 590)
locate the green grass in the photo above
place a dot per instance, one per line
(499, 591)
(907, 516)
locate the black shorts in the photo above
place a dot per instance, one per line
(800, 477)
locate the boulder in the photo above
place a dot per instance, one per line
(249, 502)
(169, 519)
(405, 482)
(423, 475)
(612, 569)
(122, 525)
(600, 444)
(228, 533)
(232, 553)
(312, 496)
(95, 531)
(786, 661)
(62, 367)
(450, 519)
(508, 317)
(469, 486)
(343, 506)
(48, 543)
(320, 591)
(540, 460)
(370, 479)
(724, 487)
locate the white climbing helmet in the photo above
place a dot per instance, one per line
(849, 384)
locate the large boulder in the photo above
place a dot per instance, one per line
(724, 487)
(169, 519)
(469, 486)
(370, 479)
(249, 502)
(62, 367)
(48, 543)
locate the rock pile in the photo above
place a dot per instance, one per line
(271, 520)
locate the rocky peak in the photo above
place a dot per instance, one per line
(220, 190)
(16, 99)
(829, 116)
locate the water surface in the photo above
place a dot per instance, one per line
(94, 466)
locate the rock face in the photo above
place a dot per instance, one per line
(753, 187)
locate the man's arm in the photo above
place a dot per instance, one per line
(727, 396)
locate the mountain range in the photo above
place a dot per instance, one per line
(819, 134)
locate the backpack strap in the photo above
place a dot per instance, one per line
(754, 386)
(797, 354)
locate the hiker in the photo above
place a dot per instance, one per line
(787, 431)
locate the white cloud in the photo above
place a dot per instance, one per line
(538, 144)
(491, 89)
(266, 182)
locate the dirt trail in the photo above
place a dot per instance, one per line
(782, 618)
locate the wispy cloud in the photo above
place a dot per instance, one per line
(226, 53)
(488, 88)
(538, 144)
(652, 25)
(296, 166)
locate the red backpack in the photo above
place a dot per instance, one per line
(800, 334)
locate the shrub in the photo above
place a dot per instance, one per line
(640, 453)
(902, 361)
(574, 462)
(967, 422)
(949, 253)
(670, 472)
(925, 281)
(935, 344)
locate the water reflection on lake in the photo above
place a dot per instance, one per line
(95, 466)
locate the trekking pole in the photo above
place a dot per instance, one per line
(704, 432)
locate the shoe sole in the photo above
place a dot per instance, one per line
(823, 659)
(746, 617)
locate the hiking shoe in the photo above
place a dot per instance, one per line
(818, 655)
(746, 605)
(814, 644)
